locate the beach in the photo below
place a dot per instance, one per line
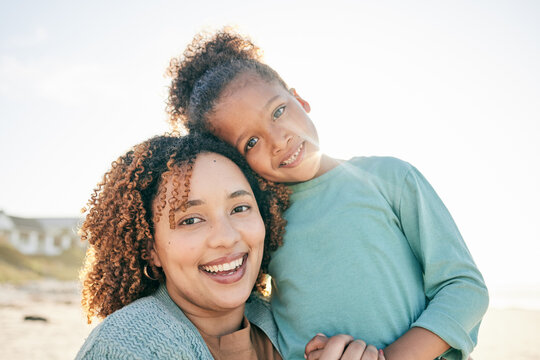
(58, 327)
(509, 334)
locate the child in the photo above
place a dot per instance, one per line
(370, 250)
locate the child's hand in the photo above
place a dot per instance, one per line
(340, 347)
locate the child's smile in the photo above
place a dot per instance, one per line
(270, 127)
(295, 158)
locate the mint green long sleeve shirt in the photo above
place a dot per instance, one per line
(371, 251)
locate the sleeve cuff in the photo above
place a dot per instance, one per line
(447, 329)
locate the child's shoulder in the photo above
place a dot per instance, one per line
(381, 166)
(383, 175)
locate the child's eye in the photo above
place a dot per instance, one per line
(279, 111)
(240, 209)
(190, 221)
(251, 143)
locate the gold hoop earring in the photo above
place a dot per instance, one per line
(145, 272)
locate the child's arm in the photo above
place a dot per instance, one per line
(416, 344)
(456, 293)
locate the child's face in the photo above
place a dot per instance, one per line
(212, 258)
(270, 127)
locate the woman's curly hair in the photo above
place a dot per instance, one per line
(203, 71)
(119, 223)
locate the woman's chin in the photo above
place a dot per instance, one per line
(232, 299)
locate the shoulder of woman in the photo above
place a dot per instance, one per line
(142, 329)
(258, 301)
(258, 311)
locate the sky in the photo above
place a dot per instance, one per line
(451, 87)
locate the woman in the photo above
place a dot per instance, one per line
(180, 230)
(177, 243)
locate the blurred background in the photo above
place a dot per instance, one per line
(451, 87)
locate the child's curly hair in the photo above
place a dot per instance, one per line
(120, 219)
(207, 66)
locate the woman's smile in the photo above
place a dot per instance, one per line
(226, 272)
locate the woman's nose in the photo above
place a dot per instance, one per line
(224, 233)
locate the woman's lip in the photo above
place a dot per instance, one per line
(299, 157)
(225, 259)
(228, 277)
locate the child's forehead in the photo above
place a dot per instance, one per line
(246, 82)
(251, 97)
(242, 105)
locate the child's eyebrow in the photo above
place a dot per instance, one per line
(269, 102)
(237, 143)
(264, 109)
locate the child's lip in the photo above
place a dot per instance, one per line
(290, 154)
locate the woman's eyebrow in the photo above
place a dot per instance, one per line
(189, 204)
(239, 193)
(197, 202)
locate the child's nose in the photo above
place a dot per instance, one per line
(280, 139)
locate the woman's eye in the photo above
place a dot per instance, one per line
(279, 111)
(251, 143)
(190, 221)
(240, 209)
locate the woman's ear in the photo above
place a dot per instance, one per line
(154, 256)
(302, 102)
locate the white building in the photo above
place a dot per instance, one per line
(43, 236)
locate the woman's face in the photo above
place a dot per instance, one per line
(211, 259)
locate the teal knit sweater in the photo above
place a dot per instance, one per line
(154, 327)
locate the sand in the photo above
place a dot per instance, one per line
(505, 333)
(509, 334)
(59, 337)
